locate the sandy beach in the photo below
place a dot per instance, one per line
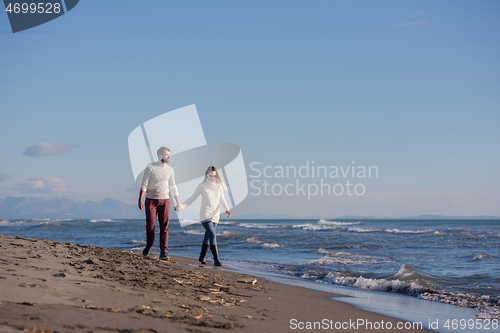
(49, 286)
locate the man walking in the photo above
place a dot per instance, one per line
(158, 177)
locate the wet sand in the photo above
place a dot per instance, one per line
(48, 286)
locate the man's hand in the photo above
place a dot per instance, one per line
(228, 213)
(178, 208)
(141, 197)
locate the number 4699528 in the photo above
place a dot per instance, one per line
(40, 8)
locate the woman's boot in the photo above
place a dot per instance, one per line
(215, 254)
(203, 253)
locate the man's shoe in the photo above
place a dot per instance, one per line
(203, 253)
(215, 254)
(164, 255)
(145, 252)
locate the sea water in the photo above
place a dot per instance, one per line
(456, 262)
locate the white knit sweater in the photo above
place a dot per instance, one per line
(212, 195)
(157, 179)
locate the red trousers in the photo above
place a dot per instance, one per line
(162, 207)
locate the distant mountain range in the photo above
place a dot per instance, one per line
(33, 207)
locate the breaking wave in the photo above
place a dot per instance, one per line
(260, 226)
(411, 282)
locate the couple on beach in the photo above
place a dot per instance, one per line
(157, 179)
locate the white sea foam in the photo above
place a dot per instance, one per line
(271, 245)
(338, 223)
(345, 258)
(260, 226)
(315, 227)
(138, 241)
(488, 306)
(398, 231)
(356, 229)
(9, 223)
(100, 220)
(253, 240)
(55, 222)
(408, 281)
(410, 288)
(479, 256)
(458, 229)
(194, 232)
(226, 234)
(324, 251)
(228, 222)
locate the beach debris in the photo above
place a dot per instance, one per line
(60, 275)
(248, 280)
(91, 307)
(28, 303)
(146, 310)
(249, 317)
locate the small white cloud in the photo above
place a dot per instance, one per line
(43, 185)
(419, 13)
(48, 149)
(415, 23)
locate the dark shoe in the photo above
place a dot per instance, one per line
(164, 255)
(203, 253)
(215, 254)
(145, 252)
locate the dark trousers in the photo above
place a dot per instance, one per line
(162, 208)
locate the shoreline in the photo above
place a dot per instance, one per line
(55, 286)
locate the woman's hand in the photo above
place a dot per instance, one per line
(228, 213)
(178, 208)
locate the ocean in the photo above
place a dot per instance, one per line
(456, 262)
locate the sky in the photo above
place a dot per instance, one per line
(411, 88)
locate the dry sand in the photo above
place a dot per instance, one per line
(48, 286)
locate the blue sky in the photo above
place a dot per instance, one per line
(411, 87)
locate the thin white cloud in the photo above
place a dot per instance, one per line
(48, 149)
(419, 13)
(415, 23)
(43, 185)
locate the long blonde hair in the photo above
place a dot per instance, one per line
(218, 179)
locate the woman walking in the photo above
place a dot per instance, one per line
(212, 194)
